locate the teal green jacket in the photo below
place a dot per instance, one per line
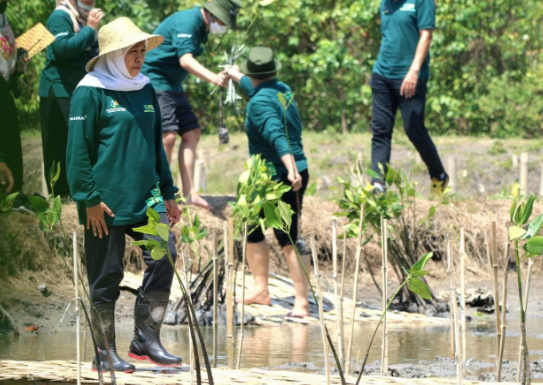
(184, 32)
(67, 57)
(265, 125)
(115, 153)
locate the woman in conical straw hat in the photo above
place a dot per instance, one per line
(117, 168)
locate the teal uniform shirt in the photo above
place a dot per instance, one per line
(115, 153)
(184, 32)
(67, 56)
(265, 125)
(401, 22)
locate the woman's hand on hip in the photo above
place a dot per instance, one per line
(409, 85)
(97, 220)
(174, 215)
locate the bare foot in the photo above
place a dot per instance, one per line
(197, 200)
(300, 309)
(259, 298)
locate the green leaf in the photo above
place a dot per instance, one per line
(527, 210)
(202, 235)
(534, 245)
(244, 177)
(533, 227)
(158, 253)
(420, 273)
(516, 232)
(146, 230)
(311, 190)
(163, 231)
(55, 173)
(151, 213)
(421, 263)
(57, 206)
(286, 213)
(272, 220)
(513, 209)
(419, 287)
(282, 100)
(266, 2)
(373, 174)
(38, 203)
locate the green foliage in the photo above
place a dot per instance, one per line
(525, 231)
(256, 190)
(486, 60)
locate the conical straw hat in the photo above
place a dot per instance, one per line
(119, 34)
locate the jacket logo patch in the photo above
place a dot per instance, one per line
(148, 108)
(78, 118)
(184, 35)
(115, 107)
(408, 8)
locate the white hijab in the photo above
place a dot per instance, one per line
(110, 73)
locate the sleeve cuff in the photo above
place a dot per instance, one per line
(168, 193)
(427, 26)
(93, 201)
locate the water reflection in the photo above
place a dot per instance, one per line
(280, 347)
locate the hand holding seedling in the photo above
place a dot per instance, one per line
(6, 177)
(174, 214)
(96, 219)
(296, 179)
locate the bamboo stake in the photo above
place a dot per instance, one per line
(384, 344)
(355, 292)
(494, 256)
(321, 311)
(453, 183)
(342, 288)
(455, 331)
(215, 297)
(231, 283)
(77, 318)
(526, 293)
(243, 270)
(463, 287)
(339, 320)
(504, 313)
(84, 345)
(191, 345)
(524, 173)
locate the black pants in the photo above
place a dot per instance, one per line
(105, 262)
(54, 117)
(386, 100)
(291, 198)
(10, 137)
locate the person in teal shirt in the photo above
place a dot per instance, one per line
(186, 34)
(117, 168)
(267, 134)
(399, 80)
(74, 24)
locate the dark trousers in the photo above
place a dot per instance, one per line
(10, 137)
(386, 101)
(54, 117)
(105, 262)
(295, 200)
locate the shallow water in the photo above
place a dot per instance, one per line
(287, 346)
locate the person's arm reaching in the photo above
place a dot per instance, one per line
(6, 177)
(409, 84)
(84, 113)
(193, 66)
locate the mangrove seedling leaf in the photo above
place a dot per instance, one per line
(420, 273)
(419, 287)
(57, 206)
(202, 235)
(7, 203)
(421, 263)
(37, 203)
(158, 253)
(54, 173)
(533, 227)
(286, 213)
(282, 100)
(271, 217)
(311, 190)
(527, 210)
(244, 177)
(520, 213)
(373, 174)
(265, 3)
(516, 232)
(534, 245)
(163, 231)
(146, 230)
(151, 213)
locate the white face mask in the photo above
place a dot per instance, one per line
(217, 29)
(83, 7)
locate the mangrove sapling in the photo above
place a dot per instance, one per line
(279, 216)
(159, 249)
(532, 244)
(414, 283)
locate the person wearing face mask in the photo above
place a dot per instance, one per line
(74, 24)
(12, 66)
(117, 168)
(168, 66)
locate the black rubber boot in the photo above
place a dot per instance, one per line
(148, 316)
(103, 326)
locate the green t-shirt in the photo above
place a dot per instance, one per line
(265, 125)
(115, 153)
(184, 32)
(401, 22)
(67, 56)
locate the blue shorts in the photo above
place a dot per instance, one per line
(177, 114)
